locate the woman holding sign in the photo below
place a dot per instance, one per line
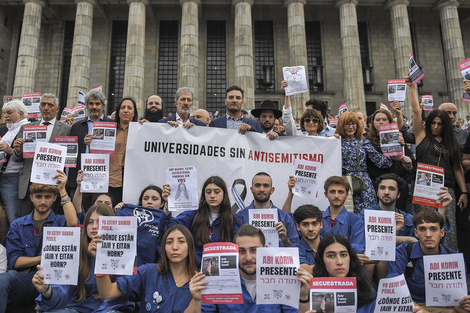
(212, 222)
(163, 287)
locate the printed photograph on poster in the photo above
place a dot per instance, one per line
(95, 169)
(71, 143)
(335, 294)
(32, 135)
(393, 295)
(397, 91)
(48, 158)
(60, 255)
(220, 265)
(296, 80)
(429, 180)
(184, 188)
(265, 219)
(115, 255)
(7, 98)
(428, 102)
(323, 302)
(380, 233)
(306, 175)
(415, 72)
(389, 140)
(65, 113)
(32, 102)
(103, 141)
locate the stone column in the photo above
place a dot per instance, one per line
(244, 59)
(352, 68)
(79, 79)
(453, 50)
(297, 46)
(135, 53)
(28, 51)
(189, 48)
(401, 40)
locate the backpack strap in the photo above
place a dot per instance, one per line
(410, 265)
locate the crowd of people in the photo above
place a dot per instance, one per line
(330, 240)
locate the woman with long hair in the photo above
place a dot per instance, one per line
(213, 221)
(163, 287)
(437, 145)
(355, 151)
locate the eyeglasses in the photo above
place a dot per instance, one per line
(354, 124)
(314, 120)
(43, 104)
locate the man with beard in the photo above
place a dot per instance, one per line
(248, 239)
(183, 102)
(234, 118)
(154, 109)
(262, 189)
(267, 113)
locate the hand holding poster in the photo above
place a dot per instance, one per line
(104, 138)
(397, 91)
(48, 158)
(115, 255)
(464, 68)
(276, 276)
(31, 135)
(265, 219)
(428, 102)
(95, 169)
(333, 294)
(393, 296)
(445, 279)
(415, 72)
(380, 232)
(60, 255)
(71, 144)
(220, 265)
(184, 189)
(429, 180)
(306, 175)
(389, 135)
(296, 80)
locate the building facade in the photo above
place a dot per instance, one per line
(136, 48)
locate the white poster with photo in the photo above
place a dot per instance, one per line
(445, 279)
(429, 180)
(393, 295)
(389, 135)
(71, 143)
(342, 108)
(296, 80)
(48, 158)
(31, 136)
(333, 294)
(415, 72)
(104, 138)
(220, 265)
(306, 175)
(65, 113)
(428, 102)
(380, 233)
(464, 68)
(78, 113)
(384, 106)
(115, 255)
(95, 169)
(7, 98)
(276, 276)
(184, 188)
(31, 102)
(265, 219)
(397, 91)
(60, 255)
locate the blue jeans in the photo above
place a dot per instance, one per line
(17, 287)
(9, 191)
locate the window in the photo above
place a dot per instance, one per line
(66, 60)
(216, 66)
(168, 62)
(118, 64)
(314, 55)
(365, 56)
(264, 55)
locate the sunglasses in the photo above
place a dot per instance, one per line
(315, 120)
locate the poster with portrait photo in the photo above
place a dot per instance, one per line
(7, 98)
(397, 91)
(464, 68)
(71, 143)
(389, 140)
(334, 294)
(184, 188)
(103, 142)
(323, 302)
(429, 180)
(31, 135)
(210, 266)
(31, 102)
(416, 73)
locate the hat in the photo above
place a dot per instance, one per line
(266, 105)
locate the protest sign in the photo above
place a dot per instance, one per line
(65, 113)
(333, 122)
(7, 98)
(265, 219)
(31, 102)
(342, 108)
(183, 186)
(104, 138)
(464, 68)
(60, 255)
(333, 294)
(32, 135)
(95, 169)
(415, 72)
(389, 135)
(296, 80)
(445, 279)
(393, 296)
(99, 88)
(429, 180)
(219, 152)
(48, 158)
(428, 102)
(276, 276)
(306, 182)
(115, 255)
(384, 106)
(78, 113)
(397, 91)
(220, 265)
(71, 143)
(380, 233)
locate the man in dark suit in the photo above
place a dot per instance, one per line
(234, 119)
(183, 102)
(49, 108)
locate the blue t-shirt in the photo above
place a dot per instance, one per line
(306, 253)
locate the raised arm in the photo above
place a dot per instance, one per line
(417, 126)
(287, 207)
(69, 210)
(77, 197)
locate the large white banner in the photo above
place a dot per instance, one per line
(154, 147)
